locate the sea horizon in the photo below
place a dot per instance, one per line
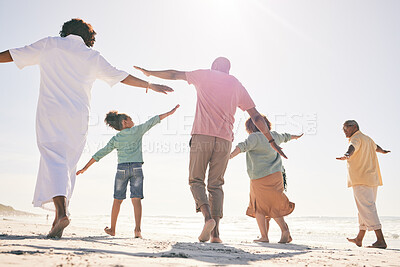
(315, 230)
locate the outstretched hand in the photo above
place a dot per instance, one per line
(342, 158)
(385, 151)
(155, 87)
(172, 111)
(159, 88)
(145, 72)
(81, 171)
(278, 149)
(169, 113)
(297, 136)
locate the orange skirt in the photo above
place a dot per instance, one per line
(267, 197)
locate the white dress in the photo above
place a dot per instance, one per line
(68, 69)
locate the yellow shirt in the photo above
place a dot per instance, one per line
(363, 166)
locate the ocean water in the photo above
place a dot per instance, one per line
(304, 230)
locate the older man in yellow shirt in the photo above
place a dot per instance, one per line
(364, 176)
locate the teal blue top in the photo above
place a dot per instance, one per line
(128, 143)
(261, 158)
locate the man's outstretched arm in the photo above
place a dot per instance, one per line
(5, 57)
(348, 154)
(381, 150)
(164, 74)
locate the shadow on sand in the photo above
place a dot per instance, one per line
(204, 252)
(228, 254)
(103, 239)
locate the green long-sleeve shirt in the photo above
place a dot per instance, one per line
(261, 158)
(128, 143)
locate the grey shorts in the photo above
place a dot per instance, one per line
(129, 172)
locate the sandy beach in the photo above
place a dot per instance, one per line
(24, 243)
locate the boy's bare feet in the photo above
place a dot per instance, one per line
(262, 239)
(355, 241)
(285, 238)
(138, 234)
(58, 228)
(215, 240)
(109, 231)
(206, 233)
(378, 244)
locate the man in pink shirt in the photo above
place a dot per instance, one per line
(218, 96)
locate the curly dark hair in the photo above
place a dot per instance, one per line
(81, 28)
(114, 119)
(252, 128)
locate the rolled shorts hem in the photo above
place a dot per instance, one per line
(141, 197)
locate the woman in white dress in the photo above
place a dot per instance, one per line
(68, 68)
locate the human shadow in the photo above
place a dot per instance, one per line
(20, 237)
(103, 239)
(287, 246)
(205, 252)
(228, 254)
(393, 249)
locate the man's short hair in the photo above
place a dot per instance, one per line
(80, 28)
(351, 123)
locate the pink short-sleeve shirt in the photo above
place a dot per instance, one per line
(218, 96)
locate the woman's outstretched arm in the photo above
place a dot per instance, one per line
(292, 136)
(133, 81)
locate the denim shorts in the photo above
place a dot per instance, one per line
(129, 172)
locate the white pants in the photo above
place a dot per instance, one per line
(365, 197)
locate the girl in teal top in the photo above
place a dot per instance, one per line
(264, 166)
(128, 143)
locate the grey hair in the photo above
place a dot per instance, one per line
(352, 123)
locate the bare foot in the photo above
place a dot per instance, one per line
(378, 244)
(109, 231)
(138, 234)
(58, 235)
(355, 241)
(262, 239)
(206, 233)
(58, 228)
(215, 240)
(285, 238)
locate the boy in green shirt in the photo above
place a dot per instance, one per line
(128, 143)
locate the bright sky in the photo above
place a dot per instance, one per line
(308, 65)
